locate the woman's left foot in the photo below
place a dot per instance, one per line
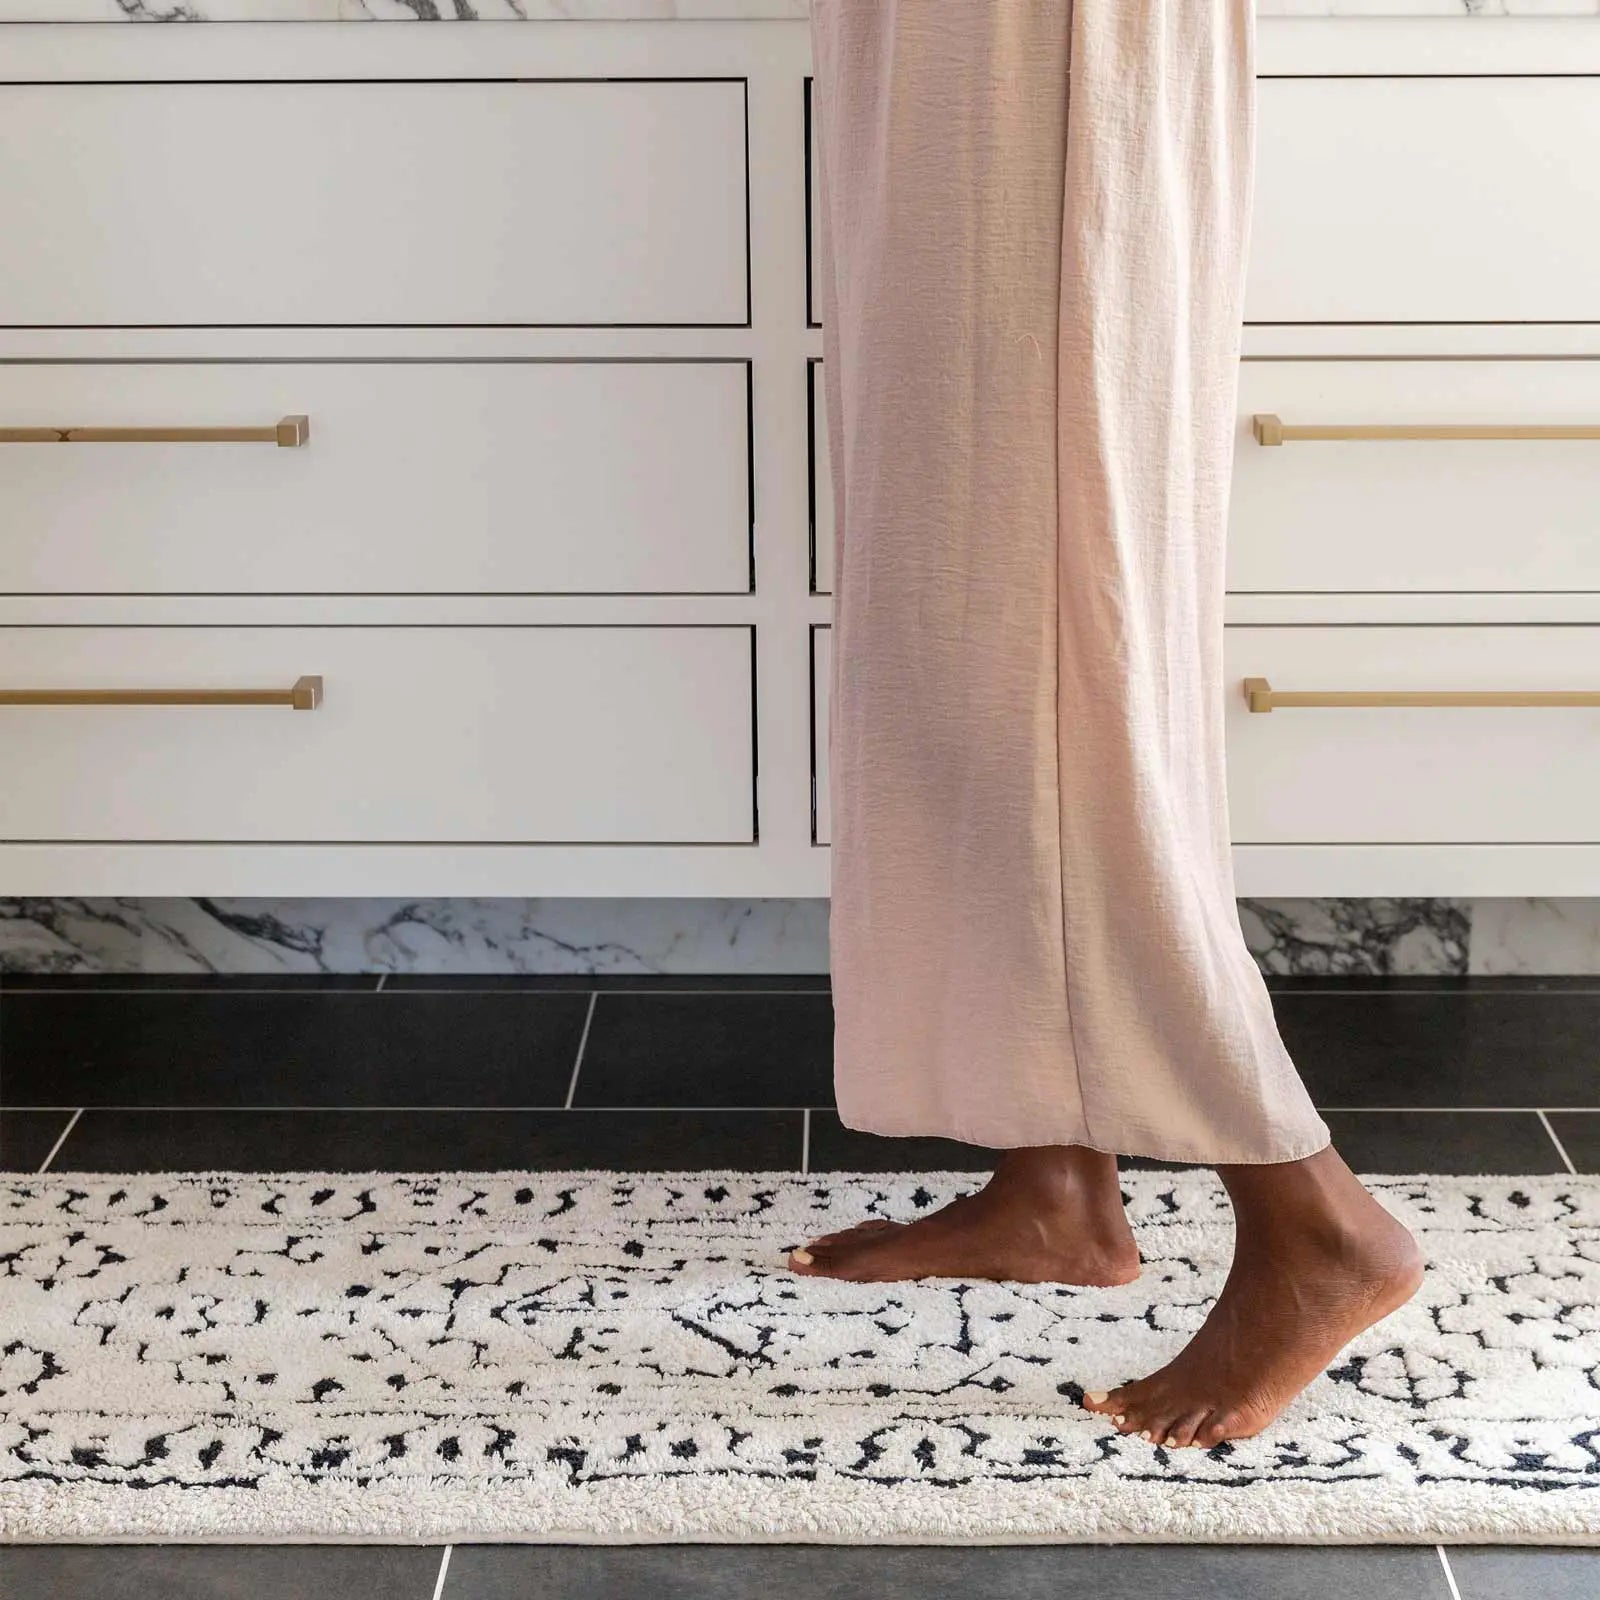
(1318, 1261)
(1048, 1215)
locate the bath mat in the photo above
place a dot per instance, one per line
(597, 1356)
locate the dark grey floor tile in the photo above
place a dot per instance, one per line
(1016, 1572)
(1579, 1133)
(216, 1572)
(82, 982)
(289, 1048)
(1443, 1141)
(770, 1049)
(27, 1137)
(428, 1141)
(836, 1148)
(1472, 1048)
(1506, 1572)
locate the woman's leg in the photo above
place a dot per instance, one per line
(940, 132)
(1032, 296)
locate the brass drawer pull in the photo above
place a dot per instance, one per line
(287, 432)
(1271, 429)
(1261, 696)
(306, 695)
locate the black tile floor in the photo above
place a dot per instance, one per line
(418, 1073)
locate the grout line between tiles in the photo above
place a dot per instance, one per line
(577, 1065)
(444, 1568)
(72, 1122)
(1449, 1576)
(1561, 1149)
(805, 1140)
(1531, 1111)
(491, 1107)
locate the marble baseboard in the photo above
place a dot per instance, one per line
(1298, 937)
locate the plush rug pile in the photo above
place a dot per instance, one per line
(605, 1357)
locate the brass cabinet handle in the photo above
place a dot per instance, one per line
(287, 432)
(305, 695)
(1261, 696)
(1271, 429)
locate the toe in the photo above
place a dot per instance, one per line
(1181, 1434)
(1158, 1425)
(1237, 1424)
(1106, 1404)
(1212, 1431)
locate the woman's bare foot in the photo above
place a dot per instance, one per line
(1317, 1261)
(1048, 1215)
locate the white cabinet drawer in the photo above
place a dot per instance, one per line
(1414, 774)
(1441, 199)
(1402, 775)
(1445, 199)
(1390, 515)
(416, 477)
(1397, 514)
(539, 202)
(564, 735)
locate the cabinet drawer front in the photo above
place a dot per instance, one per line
(1401, 514)
(299, 203)
(1414, 774)
(1425, 200)
(561, 735)
(1414, 200)
(1390, 774)
(415, 477)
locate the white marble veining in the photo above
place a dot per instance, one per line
(1358, 937)
(1301, 937)
(431, 936)
(1377, 937)
(650, 10)
(1536, 936)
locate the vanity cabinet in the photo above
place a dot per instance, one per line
(413, 468)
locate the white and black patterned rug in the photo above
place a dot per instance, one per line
(607, 1357)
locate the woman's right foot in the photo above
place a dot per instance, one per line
(1317, 1261)
(1048, 1215)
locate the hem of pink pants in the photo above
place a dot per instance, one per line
(1141, 1149)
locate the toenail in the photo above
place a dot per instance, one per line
(804, 1257)
(1119, 1419)
(1172, 1444)
(1095, 1399)
(1148, 1437)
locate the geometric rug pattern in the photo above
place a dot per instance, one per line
(597, 1356)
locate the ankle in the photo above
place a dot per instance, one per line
(1062, 1174)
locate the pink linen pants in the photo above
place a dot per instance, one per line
(1034, 221)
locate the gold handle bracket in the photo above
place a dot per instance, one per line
(1271, 429)
(304, 695)
(1259, 695)
(287, 432)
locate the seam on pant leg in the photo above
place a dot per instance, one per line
(1061, 850)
